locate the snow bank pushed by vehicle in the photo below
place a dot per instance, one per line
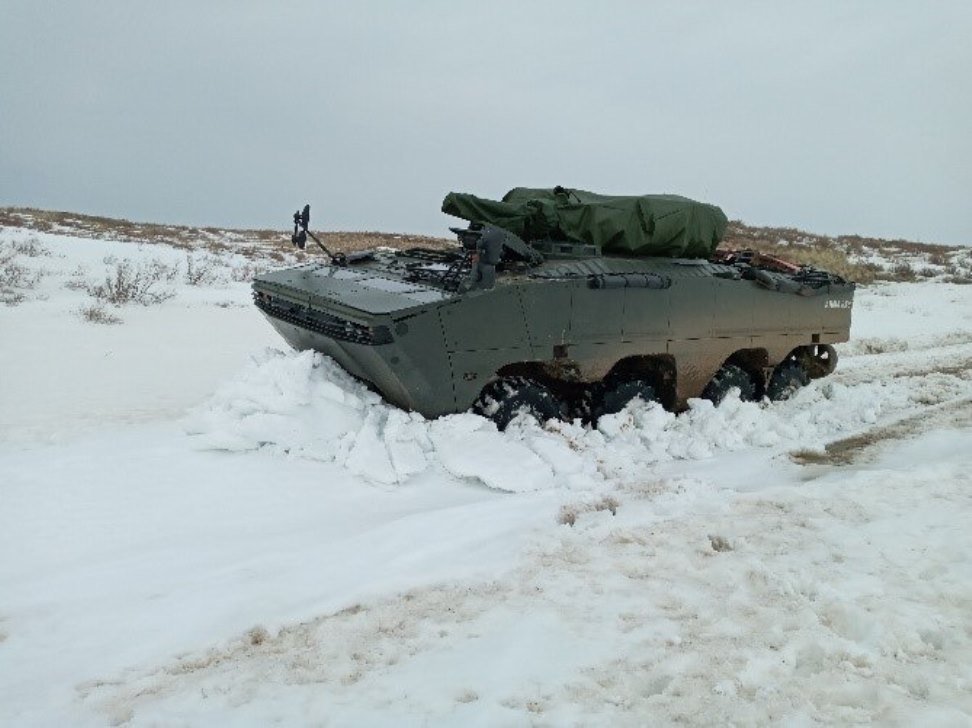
(303, 404)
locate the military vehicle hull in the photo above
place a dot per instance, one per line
(570, 325)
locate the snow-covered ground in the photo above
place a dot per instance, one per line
(198, 527)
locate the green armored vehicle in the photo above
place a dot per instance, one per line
(564, 303)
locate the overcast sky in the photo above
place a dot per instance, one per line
(836, 117)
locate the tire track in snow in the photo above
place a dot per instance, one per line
(948, 361)
(854, 449)
(951, 359)
(729, 608)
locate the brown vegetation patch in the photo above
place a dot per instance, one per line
(259, 243)
(131, 283)
(15, 278)
(739, 232)
(96, 313)
(850, 256)
(816, 252)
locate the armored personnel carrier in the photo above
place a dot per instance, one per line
(562, 303)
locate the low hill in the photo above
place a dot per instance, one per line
(858, 258)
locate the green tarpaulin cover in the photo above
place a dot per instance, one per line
(663, 225)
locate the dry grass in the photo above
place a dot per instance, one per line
(97, 314)
(15, 278)
(31, 247)
(130, 283)
(740, 233)
(819, 255)
(849, 256)
(903, 272)
(201, 270)
(245, 273)
(251, 243)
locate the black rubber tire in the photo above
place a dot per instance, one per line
(728, 377)
(820, 361)
(788, 378)
(505, 398)
(581, 407)
(611, 397)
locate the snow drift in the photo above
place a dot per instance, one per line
(303, 404)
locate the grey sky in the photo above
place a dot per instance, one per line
(837, 117)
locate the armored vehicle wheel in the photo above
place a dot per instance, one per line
(505, 398)
(728, 377)
(612, 396)
(787, 379)
(819, 360)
